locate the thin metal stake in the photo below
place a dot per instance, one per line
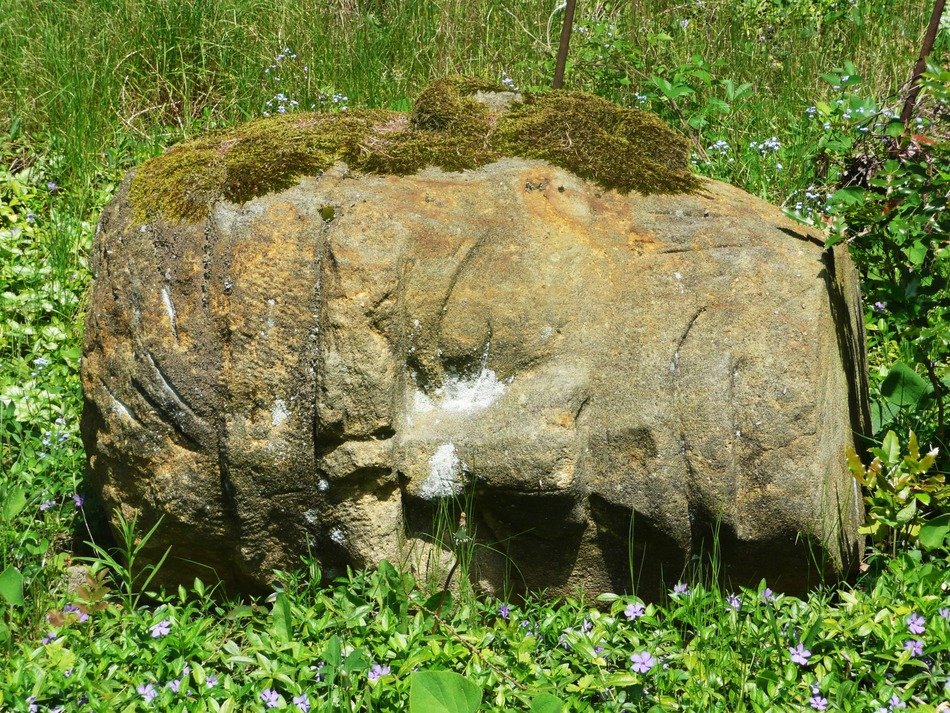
(565, 43)
(921, 65)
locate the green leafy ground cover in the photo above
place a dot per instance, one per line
(795, 101)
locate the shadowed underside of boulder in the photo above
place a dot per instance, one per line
(610, 380)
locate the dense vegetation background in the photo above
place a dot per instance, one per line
(794, 100)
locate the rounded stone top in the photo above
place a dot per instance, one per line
(457, 124)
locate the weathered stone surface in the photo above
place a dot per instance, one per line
(592, 369)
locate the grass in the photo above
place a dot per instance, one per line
(773, 97)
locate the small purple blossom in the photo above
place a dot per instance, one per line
(73, 609)
(916, 623)
(767, 595)
(377, 672)
(896, 702)
(50, 638)
(161, 629)
(147, 691)
(734, 602)
(818, 703)
(211, 681)
(681, 588)
(79, 499)
(47, 504)
(915, 646)
(880, 306)
(945, 613)
(800, 654)
(642, 662)
(302, 703)
(175, 685)
(634, 610)
(52, 186)
(503, 611)
(30, 218)
(270, 698)
(31, 703)
(67, 673)
(587, 625)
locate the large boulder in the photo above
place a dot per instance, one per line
(610, 373)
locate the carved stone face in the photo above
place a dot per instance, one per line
(602, 381)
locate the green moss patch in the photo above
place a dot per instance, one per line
(450, 127)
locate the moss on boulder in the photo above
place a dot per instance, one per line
(457, 124)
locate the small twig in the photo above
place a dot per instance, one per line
(445, 587)
(929, 37)
(474, 651)
(565, 43)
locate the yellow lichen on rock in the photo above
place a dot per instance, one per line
(457, 124)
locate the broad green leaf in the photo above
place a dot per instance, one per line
(332, 655)
(546, 703)
(11, 586)
(13, 503)
(848, 196)
(907, 512)
(355, 662)
(903, 386)
(933, 533)
(442, 692)
(891, 448)
(281, 619)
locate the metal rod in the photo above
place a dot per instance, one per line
(921, 65)
(566, 43)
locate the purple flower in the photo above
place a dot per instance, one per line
(31, 702)
(47, 504)
(767, 595)
(880, 306)
(504, 611)
(818, 703)
(79, 500)
(634, 611)
(147, 692)
(896, 702)
(642, 662)
(161, 629)
(211, 681)
(52, 186)
(800, 654)
(945, 613)
(49, 638)
(681, 588)
(67, 673)
(73, 609)
(916, 623)
(30, 218)
(915, 646)
(270, 698)
(586, 626)
(302, 703)
(377, 672)
(734, 602)
(174, 685)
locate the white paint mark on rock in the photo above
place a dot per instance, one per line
(279, 413)
(312, 517)
(170, 310)
(460, 395)
(422, 403)
(445, 476)
(323, 485)
(336, 534)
